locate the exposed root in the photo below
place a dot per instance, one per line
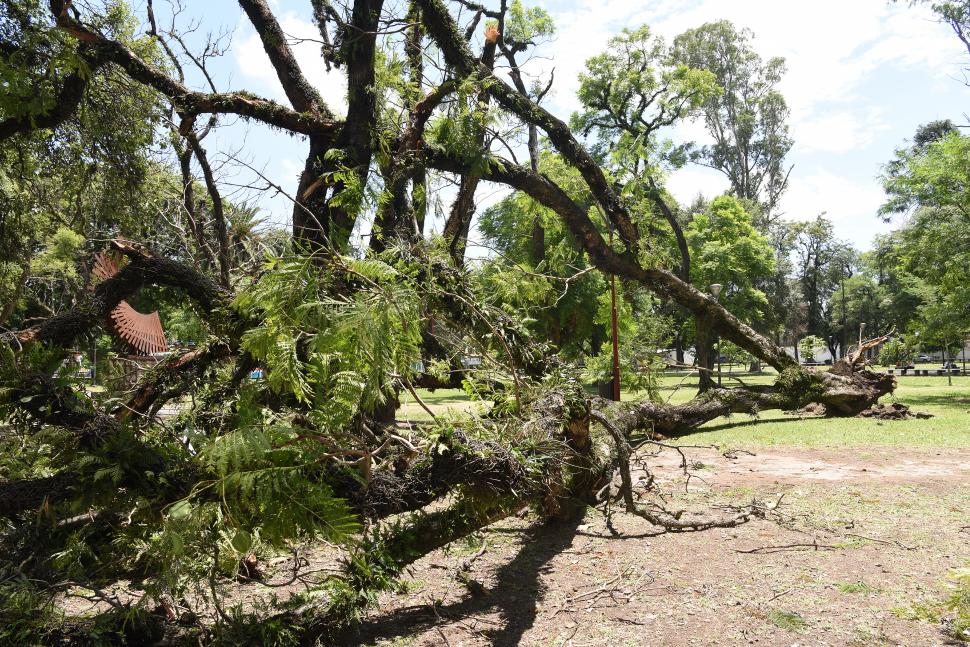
(810, 410)
(894, 411)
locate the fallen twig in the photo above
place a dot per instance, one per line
(775, 549)
(892, 542)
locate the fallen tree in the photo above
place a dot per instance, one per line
(538, 449)
(305, 455)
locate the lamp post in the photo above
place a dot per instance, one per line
(716, 292)
(614, 330)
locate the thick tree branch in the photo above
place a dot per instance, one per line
(445, 32)
(184, 155)
(459, 222)
(67, 100)
(144, 268)
(32, 494)
(662, 282)
(301, 94)
(191, 102)
(403, 167)
(671, 219)
(172, 377)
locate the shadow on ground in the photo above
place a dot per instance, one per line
(515, 596)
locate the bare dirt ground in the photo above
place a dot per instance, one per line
(866, 533)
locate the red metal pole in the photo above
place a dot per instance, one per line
(616, 337)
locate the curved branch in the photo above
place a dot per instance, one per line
(239, 103)
(660, 281)
(443, 30)
(668, 214)
(303, 97)
(171, 377)
(67, 100)
(143, 269)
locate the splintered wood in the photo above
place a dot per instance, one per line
(142, 332)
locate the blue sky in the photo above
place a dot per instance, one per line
(862, 75)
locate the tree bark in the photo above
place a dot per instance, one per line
(459, 222)
(703, 346)
(841, 394)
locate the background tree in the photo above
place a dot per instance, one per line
(747, 120)
(630, 93)
(561, 294)
(895, 352)
(822, 263)
(75, 143)
(930, 180)
(728, 250)
(931, 174)
(808, 346)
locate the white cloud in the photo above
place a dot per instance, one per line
(838, 132)
(830, 48)
(253, 63)
(850, 205)
(689, 182)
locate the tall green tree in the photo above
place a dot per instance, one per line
(631, 92)
(748, 119)
(726, 249)
(930, 180)
(822, 263)
(933, 172)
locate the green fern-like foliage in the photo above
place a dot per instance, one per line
(267, 481)
(338, 354)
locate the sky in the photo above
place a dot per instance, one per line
(862, 75)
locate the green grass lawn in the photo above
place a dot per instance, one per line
(440, 401)
(949, 426)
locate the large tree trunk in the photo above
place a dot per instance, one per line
(842, 395)
(703, 352)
